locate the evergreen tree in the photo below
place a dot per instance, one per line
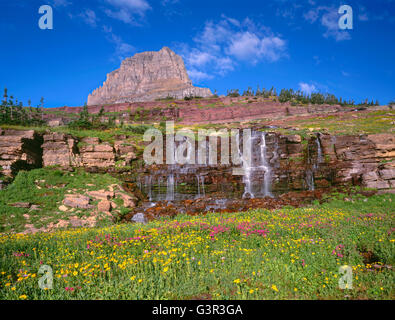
(5, 96)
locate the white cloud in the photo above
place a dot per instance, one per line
(89, 17)
(122, 49)
(220, 46)
(363, 15)
(329, 20)
(169, 2)
(307, 88)
(317, 60)
(59, 3)
(199, 75)
(135, 5)
(249, 47)
(127, 10)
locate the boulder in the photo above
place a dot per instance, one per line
(104, 206)
(128, 201)
(295, 138)
(63, 208)
(60, 149)
(101, 194)
(25, 205)
(139, 218)
(77, 201)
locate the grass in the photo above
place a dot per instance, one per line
(134, 132)
(283, 254)
(366, 123)
(46, 188)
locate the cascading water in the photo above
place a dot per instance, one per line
(257, 177)
(319, 151)
(247, 168)
(266, 167)
(148, 183)
(200, 186)
(310, 180)
(170, 188)
(257, 171)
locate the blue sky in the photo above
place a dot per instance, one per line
(226, 44)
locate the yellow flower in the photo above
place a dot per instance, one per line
(23, 296)
(13, 288)
(165, 269)
(236, 281)
(274, 287)
(7, 284)
(295, 289)
(252, 291)
(140, 280)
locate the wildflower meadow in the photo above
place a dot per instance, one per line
(281, 254)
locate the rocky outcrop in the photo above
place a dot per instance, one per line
(19, 150)
(367, 159)
(96, 154)
(77, 201)
(296, 162)
(125, 151)
(60, 149)
(67, 151)
(145, 77)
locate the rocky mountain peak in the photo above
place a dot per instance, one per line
(145, 77)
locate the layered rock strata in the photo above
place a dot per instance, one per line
(19, 149)
(147, 76)
(297, 163)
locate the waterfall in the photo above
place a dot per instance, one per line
(310, 179)
(148, 183)
(198, 185)
(319, 151)
(247, 167)
(315, 165)
(159, 187)
(266, 167)
(170, 188)
(253, 168)
(179, 152)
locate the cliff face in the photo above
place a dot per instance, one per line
(145, 77)
(19, 150)
(320, 161)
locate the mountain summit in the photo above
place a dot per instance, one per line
(145, 77)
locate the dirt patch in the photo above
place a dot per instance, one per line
(369, 257)
(202, 296)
